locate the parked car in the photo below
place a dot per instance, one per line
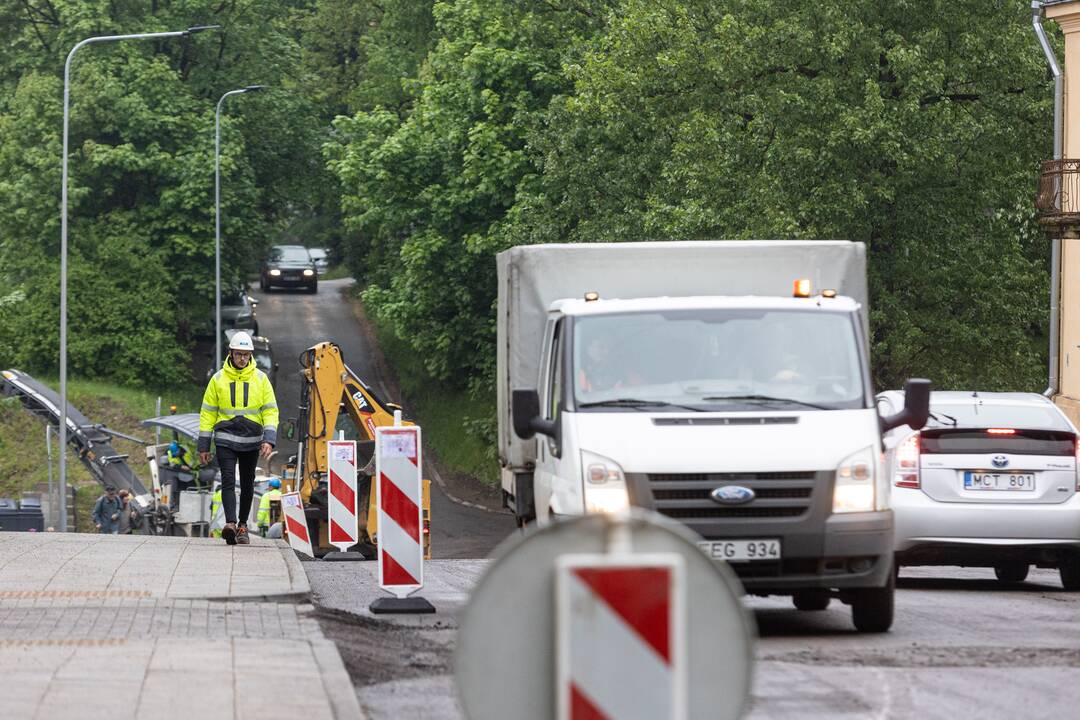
(991, 481)
(238, 311)
(289, 266)
(321, 258)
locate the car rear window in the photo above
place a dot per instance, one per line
(978, 442)
(997, 415)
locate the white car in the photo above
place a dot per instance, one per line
(321, 258)
(991, 481)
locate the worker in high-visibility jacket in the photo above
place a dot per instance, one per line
(180, 458)
(240, 415)
(273, 492)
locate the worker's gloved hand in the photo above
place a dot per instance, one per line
(204, 458)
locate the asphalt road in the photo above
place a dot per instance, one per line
(294, 321)
(963, 646)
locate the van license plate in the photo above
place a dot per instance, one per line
(742, 550)
(999, 481)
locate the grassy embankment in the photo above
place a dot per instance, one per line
(24, 457)
(441, 411)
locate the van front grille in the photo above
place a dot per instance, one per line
(688, 496)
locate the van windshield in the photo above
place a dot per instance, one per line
(717, 360)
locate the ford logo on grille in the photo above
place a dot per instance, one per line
(732, 495)
(1000, 461)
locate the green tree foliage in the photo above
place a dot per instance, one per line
(141, 233)
(424, 195)
(915, 130)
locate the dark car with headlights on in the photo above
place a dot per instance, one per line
(289, 266)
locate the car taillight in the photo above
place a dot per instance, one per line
(907, 463)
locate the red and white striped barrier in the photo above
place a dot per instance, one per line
(292, 507)
(341, 462)
(398, 495)
(621, 652)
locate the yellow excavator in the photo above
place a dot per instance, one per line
(335, 402)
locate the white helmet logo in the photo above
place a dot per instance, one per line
(241, 341)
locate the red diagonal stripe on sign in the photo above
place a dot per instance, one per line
(640, 596)
(296, 528)
(338, 533)
(393, 573)
(581, 708)
(341, 490)
(397, 505)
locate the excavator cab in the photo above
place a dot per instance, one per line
(335, 403)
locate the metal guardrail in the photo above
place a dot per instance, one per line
(1058, 198)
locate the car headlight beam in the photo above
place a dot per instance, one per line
(604, 484)
(853, 490)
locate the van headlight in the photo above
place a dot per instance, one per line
(604, 483)
(854, 487)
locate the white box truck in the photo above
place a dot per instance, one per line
(723, 384)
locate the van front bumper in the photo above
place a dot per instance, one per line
(852, 551)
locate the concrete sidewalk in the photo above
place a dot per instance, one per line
(134, 626)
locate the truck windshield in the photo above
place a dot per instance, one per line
(717, 360)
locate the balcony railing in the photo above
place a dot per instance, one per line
(1058, 197)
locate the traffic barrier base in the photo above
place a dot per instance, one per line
(408, 606)
(343, 556)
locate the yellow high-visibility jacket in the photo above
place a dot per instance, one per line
(239, 409)
(183, 457)
(263, 517)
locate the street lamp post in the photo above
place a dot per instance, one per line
(217, 218)
(64, 243)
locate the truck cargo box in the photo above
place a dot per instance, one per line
(531, 277)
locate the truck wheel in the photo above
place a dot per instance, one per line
(1069, 567)
(872, 608)
(1011, 572)
(811, 599)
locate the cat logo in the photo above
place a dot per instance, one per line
(361, 402)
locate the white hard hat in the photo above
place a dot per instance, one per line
(241, 341)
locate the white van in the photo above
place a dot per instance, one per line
(710, 382)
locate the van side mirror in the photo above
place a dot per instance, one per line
(916, 407)
(525, 407)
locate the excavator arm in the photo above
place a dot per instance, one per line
(333, 400)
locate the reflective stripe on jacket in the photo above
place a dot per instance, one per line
(239, 409)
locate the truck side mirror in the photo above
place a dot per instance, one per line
(525, 405)
(916, 407)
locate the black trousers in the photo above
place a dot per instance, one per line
(227, 459)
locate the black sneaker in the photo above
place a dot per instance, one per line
(229, 533)
(242, 537)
